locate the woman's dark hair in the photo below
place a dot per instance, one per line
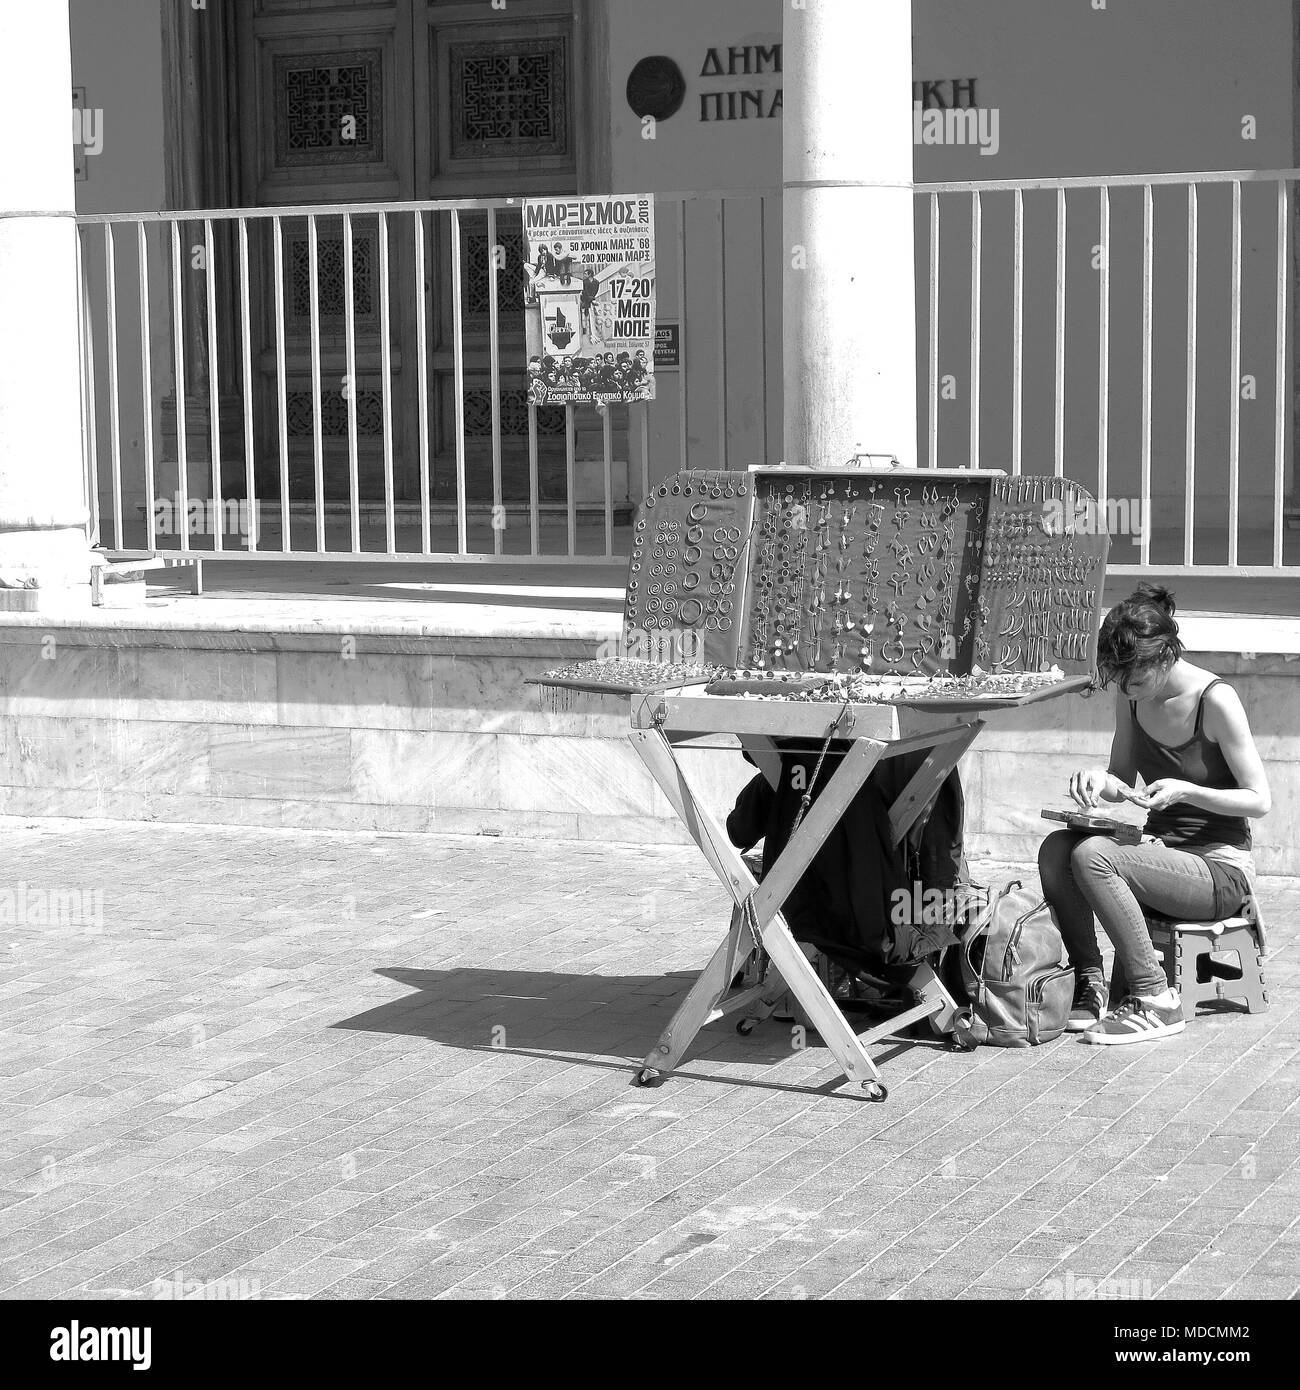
(1137, 635)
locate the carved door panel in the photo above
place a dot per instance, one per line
(327, 97)
(496, 115)
(352, 101)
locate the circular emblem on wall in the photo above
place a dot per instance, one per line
(656, 87)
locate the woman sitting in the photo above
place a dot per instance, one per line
(1185, 731)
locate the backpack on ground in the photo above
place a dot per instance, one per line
(1010, 961)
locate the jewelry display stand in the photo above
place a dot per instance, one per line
(884, 610)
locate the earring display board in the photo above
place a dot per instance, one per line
(917, 586)
(690, 552)
(1044, 568)
(871, 574)
(685, 588)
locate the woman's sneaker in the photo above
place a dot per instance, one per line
(1089, 1005)
(1140, 1020)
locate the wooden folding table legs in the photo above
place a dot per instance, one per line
(763, 911)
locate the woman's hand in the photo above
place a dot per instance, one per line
(1165, 791)
(1091, 786)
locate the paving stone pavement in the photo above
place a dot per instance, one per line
(275, 1063)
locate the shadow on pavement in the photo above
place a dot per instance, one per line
(584, 1018)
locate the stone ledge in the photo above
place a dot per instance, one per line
(131, 628)
(1237, 645)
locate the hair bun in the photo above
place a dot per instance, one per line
(1156, 595)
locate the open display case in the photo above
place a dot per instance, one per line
(926, 587)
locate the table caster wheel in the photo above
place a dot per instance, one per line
(746, 1026)
(876, 1090)
(961, 1039)
(648, 1076)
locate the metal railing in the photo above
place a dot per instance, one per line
(211, 344)
(1183, 466)
(1098, 328)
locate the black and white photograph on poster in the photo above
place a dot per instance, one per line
(589, 302)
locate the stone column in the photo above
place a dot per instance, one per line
(849, 278)
(44, 557)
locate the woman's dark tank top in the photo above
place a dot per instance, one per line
(1201, 762)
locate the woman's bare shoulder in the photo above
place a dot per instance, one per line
(1223, 708)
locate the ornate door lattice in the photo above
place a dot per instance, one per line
(329, 108)
(475, 263)
(509, 98)
(331, 281)
(514, 415)
(334, 415)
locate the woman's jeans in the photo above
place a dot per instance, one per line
(1084, 874)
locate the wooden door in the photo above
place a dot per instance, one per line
(445, 100)
(497, 114)
(326, 118)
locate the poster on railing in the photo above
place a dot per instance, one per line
(589, 303)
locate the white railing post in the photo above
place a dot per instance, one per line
(146, 383)
(386, 386)
(458, 353)
(1234, 416)
(721, 312)
(317, 391)
(178, 349)
(1281, 398)
(976, 321)
(1103, 348)
(114, 403)
(246, 352)
(89, 412)
(281, 389)
(608, 448)
(570, 474)
(933, 390)
(684, 445)
(1017, 332)
(354, 386)
(422, 372)
(762, 335)
(1189, 463)
(1059, 453)
(214, 391)
(1148, 253)
(494, 379)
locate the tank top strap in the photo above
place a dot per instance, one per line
(1200, 705)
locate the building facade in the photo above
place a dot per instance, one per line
(286, 103)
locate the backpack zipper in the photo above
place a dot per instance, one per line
(1012, 957)
(983, 927)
